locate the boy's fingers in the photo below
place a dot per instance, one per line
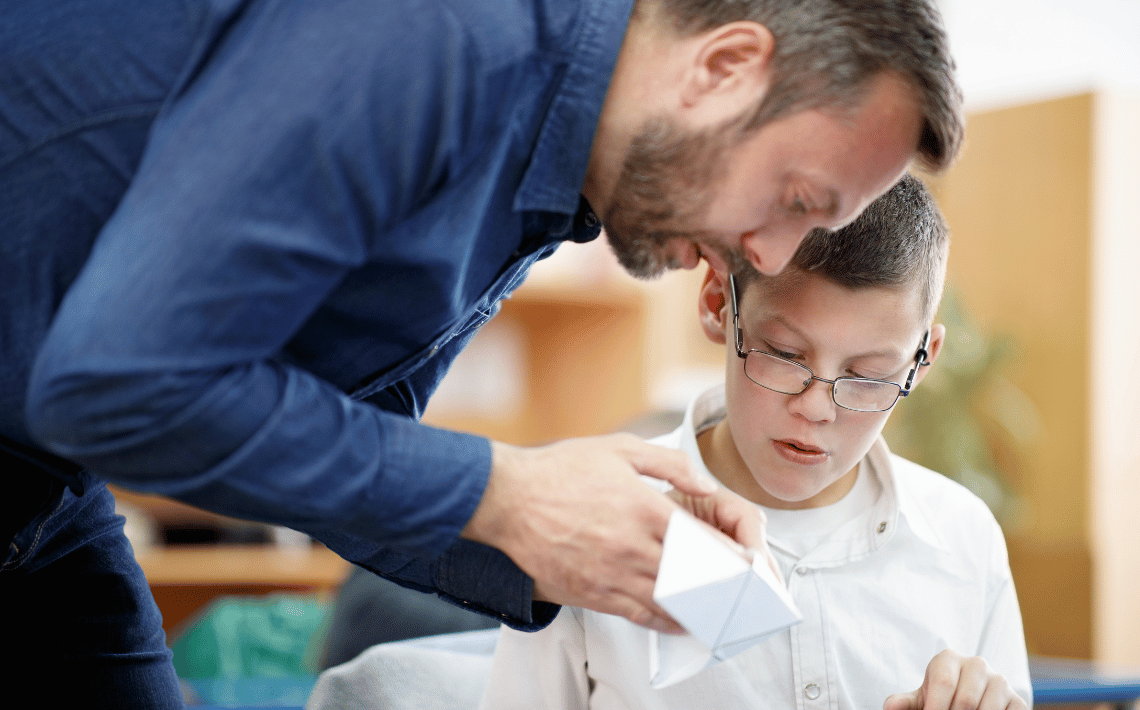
(973, 680)
(941, 682)
(999, 696)
(903, 701)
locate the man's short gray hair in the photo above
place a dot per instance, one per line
(828, 51)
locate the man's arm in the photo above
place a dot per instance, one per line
(255, 200)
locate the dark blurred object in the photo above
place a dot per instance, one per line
(205, 534)
(369, 610)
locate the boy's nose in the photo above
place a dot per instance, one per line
(815, 403)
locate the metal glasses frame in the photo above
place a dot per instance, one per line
(903, 390)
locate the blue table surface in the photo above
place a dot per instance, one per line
(1069, 680)
(1055, 681)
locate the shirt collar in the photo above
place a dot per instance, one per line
(896, 504)
(902, 500)
(557, 169)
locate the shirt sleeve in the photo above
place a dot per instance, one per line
(1002, 643)
(253, 201)
(546, 669)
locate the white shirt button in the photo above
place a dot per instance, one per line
(801, 571)
(811, 691)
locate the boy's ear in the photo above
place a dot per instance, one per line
(729, 71)
(713, 306)
(937, 338)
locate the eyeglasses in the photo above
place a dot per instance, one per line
(779, 374)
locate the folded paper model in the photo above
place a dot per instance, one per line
(726, 604)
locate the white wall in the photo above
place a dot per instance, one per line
(1016, 51)
(1115, 382)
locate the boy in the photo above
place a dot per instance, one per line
(901, 574)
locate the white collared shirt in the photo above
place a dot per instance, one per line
(922, 567)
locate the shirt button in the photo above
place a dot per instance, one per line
(591, 219)
(801, 571)
(811, 691)
(882, 527)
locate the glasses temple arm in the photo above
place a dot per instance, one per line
(919, 361)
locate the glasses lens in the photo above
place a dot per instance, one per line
(866, 395)
(776, 373)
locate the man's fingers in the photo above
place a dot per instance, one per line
(618, 601)
(903, 701)
(667, 465)
(738, 517)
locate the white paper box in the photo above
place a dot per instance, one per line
(726, 604)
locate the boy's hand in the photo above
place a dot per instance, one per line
(575, 517)
(954, 682)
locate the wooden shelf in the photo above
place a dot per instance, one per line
(316, 568)
(186, 579)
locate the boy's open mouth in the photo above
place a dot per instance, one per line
(801, 447)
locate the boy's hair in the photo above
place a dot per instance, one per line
(901, 239)
(828, 51)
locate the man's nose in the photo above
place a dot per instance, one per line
(771, 251)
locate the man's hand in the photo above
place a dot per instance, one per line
(954, 682)
(575, 517)
(737, 518)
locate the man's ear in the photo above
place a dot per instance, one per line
(729, 72)
(937, 338)
(713, 306)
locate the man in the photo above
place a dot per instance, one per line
(244, 240)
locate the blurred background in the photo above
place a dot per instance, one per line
(1035, 404)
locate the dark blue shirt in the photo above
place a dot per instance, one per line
(331, 199)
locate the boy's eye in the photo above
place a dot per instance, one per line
(780, 353)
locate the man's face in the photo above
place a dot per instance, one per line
(737, 198)
(801, 450)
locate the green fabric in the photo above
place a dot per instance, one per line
(247, 637)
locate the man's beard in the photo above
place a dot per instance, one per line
(666, 184)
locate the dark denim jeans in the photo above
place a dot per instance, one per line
(80, 628)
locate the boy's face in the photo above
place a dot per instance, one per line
(801, 451)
